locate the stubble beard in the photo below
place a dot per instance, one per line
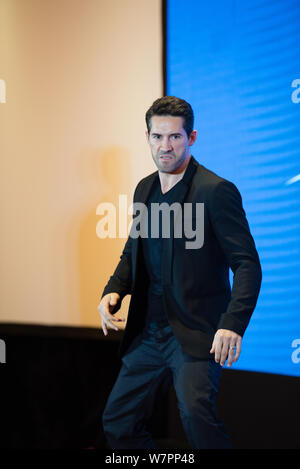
(175, 165)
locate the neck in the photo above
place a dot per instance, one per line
(168, 180)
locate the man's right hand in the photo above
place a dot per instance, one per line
(106, 306)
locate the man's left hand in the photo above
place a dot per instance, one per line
(226, 346)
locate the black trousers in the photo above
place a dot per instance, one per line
(156, 354)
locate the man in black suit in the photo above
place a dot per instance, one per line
(184, 320)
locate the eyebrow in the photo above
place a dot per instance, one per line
(174, 133)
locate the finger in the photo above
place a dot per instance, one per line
(218, 349)
(224, 352)
(106, 321)
(231, 354)
(108, 317)
(238, 350)
(110, 324)
(101, 316)
(104, 306)
(104, 327)
(108, 307)
(213, 346)
(113, 300)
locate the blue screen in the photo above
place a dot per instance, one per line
(237, 62)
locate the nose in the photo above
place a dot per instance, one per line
(166, 144)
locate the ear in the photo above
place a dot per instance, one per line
(147, 135)
(193, 137)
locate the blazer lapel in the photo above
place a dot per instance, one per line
(141, 197)
(168, 243)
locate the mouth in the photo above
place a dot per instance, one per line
(165, 157)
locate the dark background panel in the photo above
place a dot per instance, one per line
(56, 380)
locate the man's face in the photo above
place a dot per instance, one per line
(169, 143)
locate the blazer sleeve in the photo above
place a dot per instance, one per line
(121, 280)
(233, 233)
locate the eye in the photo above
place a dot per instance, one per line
(176, 136)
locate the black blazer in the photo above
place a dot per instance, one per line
(196, 288)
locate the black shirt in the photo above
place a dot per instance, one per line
(153, 245)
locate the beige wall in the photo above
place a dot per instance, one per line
(79, 76)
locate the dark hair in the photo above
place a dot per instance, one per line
(172, 106)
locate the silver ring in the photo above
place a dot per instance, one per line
(232, 347)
